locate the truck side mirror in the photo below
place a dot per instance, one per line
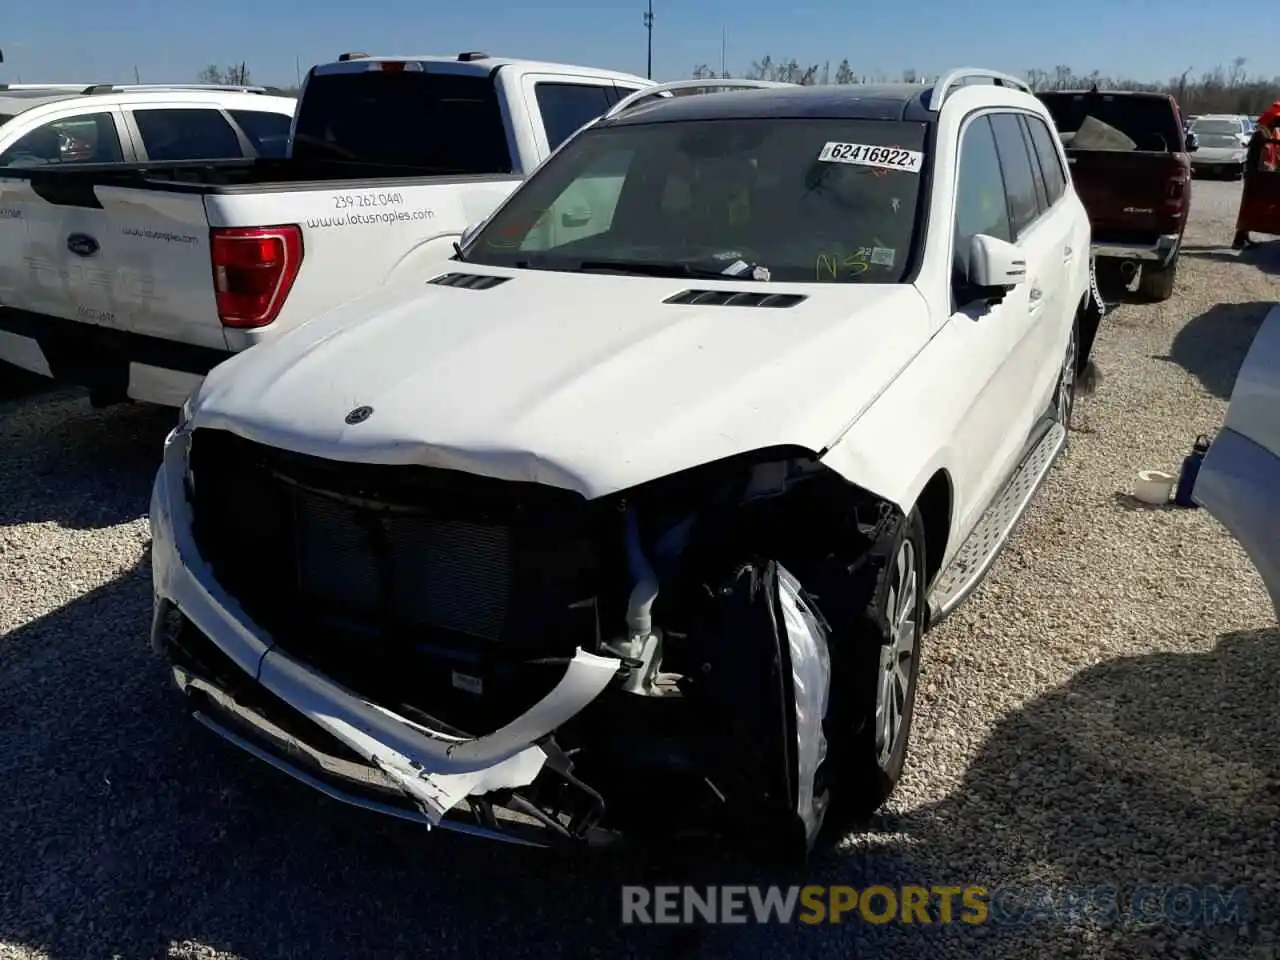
(1193, 142)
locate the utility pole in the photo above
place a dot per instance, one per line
(136, 77)
(724, 38)
(648, 25)
(297, 69)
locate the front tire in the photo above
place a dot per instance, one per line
(1064, 397)
(874, 690)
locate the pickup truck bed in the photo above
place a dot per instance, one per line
(142, 316)
(135, 280)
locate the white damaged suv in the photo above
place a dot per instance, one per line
(629, 520)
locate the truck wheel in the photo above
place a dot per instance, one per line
(874, 687)
(1156, 284)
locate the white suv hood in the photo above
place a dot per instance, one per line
(588, 382)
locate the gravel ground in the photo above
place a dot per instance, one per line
(1102, 712)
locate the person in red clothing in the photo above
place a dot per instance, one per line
(1260, 201)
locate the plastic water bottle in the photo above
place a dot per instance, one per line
(1191, 470)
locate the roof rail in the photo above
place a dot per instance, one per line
(95, 88)
(963, 76)
(70, 87)
(666, 89)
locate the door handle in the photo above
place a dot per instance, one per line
(1036, 296)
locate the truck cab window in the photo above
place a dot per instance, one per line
(567, 106)
(433, 122)
(89, 138)
(268, 132)
(187, 134)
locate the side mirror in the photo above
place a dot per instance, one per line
(1193, 142)
(995, 266)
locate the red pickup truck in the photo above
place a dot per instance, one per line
(1132, 169)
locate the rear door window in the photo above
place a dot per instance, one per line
(567, 106)
(1037, 174)
(87, 138)
(433, 122)
(1020, 186)
(268, 132)
(186, 133)
(1045, 143)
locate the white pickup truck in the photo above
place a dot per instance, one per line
(135, 280)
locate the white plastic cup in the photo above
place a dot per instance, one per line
(1154, 487)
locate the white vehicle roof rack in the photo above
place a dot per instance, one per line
(52, 87)
(711, 83)
(144, 87)
(965, 76)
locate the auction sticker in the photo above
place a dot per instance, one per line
(869, 155)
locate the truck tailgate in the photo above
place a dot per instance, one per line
(357, 236)
(1129, 190)
(118, 257)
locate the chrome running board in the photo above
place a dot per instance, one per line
(979, 551)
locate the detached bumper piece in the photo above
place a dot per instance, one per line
(555, 810)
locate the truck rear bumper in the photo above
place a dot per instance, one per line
(116, 363)
(1161, 251)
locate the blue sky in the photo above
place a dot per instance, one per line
(1154, 39)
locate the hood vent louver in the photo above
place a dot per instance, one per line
(734, 298)
(469, 281)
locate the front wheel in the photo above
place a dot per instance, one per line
(1064, 397)
(874, 690)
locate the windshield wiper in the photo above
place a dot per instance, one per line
(641, 268)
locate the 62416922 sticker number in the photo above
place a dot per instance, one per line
(869, 155)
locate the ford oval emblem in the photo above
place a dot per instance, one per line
(359, 415)
(82, 245)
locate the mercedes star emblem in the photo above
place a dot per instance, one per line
(359, 415)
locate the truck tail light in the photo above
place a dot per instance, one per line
(253, 271)
(1176, 185)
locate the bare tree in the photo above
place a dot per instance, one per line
(235, 75)
(1229, 89)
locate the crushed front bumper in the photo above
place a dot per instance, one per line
(258, 697)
